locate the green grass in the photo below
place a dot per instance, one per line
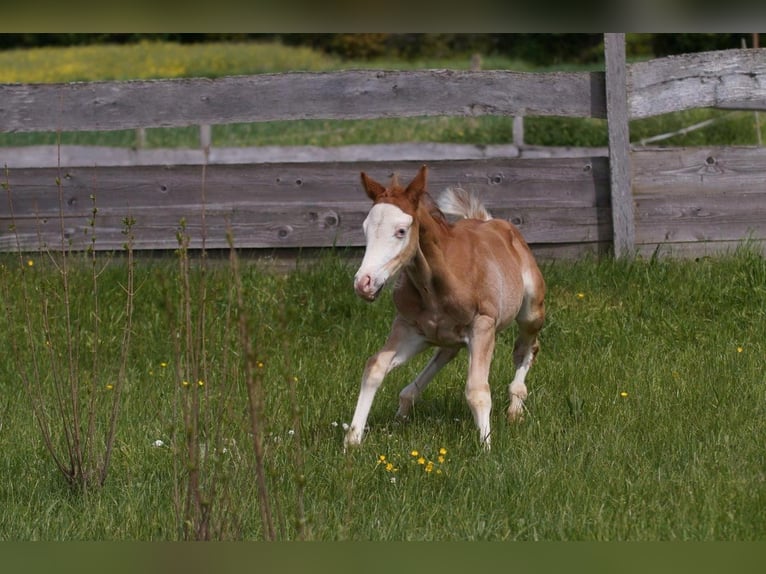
(645, 412)
(149, 60)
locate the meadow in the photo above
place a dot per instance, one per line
(204, 396)
(646, 404)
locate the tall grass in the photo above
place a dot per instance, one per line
(63, 374)
(645, 409)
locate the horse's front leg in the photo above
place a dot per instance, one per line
(403, 343)
(481, 346)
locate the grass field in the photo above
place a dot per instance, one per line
(645, 415)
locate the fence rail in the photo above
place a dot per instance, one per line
(683, 200)
(297, 96)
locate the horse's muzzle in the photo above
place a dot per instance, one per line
(366, 288)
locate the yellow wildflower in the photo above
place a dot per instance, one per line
(30, 263)
(414, 453)
(421, 460)
(442, 451)
(581, 295)
(624, 394)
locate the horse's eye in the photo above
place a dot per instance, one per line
(401, 232)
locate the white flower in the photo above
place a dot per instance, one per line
(291, 432)
(345, 426)
(334, 424)
(158, 443)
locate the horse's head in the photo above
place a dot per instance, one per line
(390, 230)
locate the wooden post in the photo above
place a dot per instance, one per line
(518, 131)
(140, 138)
(619, 146)
(205, 136)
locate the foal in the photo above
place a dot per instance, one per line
(460, 284)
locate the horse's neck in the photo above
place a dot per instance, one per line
(429, 264)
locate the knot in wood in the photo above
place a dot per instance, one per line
(284, 230)
(329, 219)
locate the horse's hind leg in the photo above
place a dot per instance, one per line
(411, 392)
(530, 319)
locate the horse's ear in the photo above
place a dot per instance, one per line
(372, 187)
(417, 186)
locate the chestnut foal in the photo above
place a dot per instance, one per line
(461, 283)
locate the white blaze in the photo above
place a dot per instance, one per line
(387, 233)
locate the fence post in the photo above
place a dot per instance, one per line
(205, 136)
(623, 223)
(518, 131)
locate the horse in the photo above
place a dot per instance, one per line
(458, 283)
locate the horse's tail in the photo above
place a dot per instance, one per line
(458, 202)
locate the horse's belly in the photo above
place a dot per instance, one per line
(442, 332)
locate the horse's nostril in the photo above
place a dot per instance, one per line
(363, 283)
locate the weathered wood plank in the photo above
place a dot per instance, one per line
(695, 217)
(355, 94)
(699, 194)
(89, 156)
(287, 205)
(270, 227)
(710, 163)
(619, 146)
(512, 182)
(733, 79)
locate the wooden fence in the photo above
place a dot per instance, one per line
(631, 199)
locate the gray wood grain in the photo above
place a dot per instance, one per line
(89, 156)
(699, 194)
(287, 205)
(733, 79)
(354, 94)
(619, 146)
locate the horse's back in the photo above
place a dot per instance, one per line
(493, 265)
